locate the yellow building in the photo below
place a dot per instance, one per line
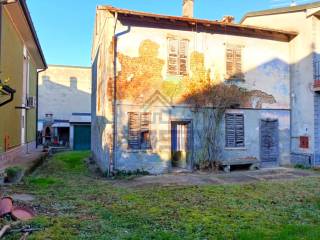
(21, 59)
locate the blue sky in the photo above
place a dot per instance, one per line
(65, 27)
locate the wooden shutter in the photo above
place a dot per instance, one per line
(183, 57)
(234, 62)
(173, 52)
(237, 62)
(145, 121)
(230, 131)
(229, 62)
(239, 130)
(134, 130)
(234, 130)
(145, 130)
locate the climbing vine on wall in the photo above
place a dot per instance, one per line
(218, 98)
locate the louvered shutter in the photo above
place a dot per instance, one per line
(173, 52)
(234, 130)
(230, 130)
(183, 57)
(145, 130)
(234, 62)
(229, 62)
(238, 61)
(145, 121)
(134, 130)
(239, 130)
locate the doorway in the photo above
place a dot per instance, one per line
(82, 137)
(181, 142)
(269, 142)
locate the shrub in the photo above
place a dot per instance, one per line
(12, 173)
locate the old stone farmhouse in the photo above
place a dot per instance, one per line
(152, 75)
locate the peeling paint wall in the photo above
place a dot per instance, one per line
(144, 84)
(304, 49)
(265, 65)
(158, 159)
(102, 94)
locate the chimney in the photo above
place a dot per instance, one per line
(228, 19)
(187, 8)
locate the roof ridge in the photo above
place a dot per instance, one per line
(193, 20)
(280, 10)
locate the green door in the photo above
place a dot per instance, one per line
(82, 137)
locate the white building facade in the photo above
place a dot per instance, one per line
(64, 103)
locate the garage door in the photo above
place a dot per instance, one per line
(82, 137)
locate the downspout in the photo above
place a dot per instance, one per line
(10, 92)
(115, 132)
(37, 105)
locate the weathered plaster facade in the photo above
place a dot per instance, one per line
(304, 53)
(143, 84)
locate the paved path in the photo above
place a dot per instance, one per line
(26, 162)
(189, 179)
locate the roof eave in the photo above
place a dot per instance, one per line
(33, 31)
(282, 10)
(287, 35)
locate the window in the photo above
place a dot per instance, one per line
(45, 79)
(73, 82)
(234, 62)
(234, 130)
(177, 56)
(139, 130)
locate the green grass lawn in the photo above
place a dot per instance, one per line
(74, 204)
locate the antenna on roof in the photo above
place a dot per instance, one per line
(285, 3)
(293, 3)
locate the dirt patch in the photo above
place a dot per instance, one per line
(190, 179)
(237, 178)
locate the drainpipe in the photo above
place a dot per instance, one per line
(37, 105)
(8, 90)
(115, 132)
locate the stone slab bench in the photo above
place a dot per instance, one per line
(253, 162)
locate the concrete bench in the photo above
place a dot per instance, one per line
(253, 162)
